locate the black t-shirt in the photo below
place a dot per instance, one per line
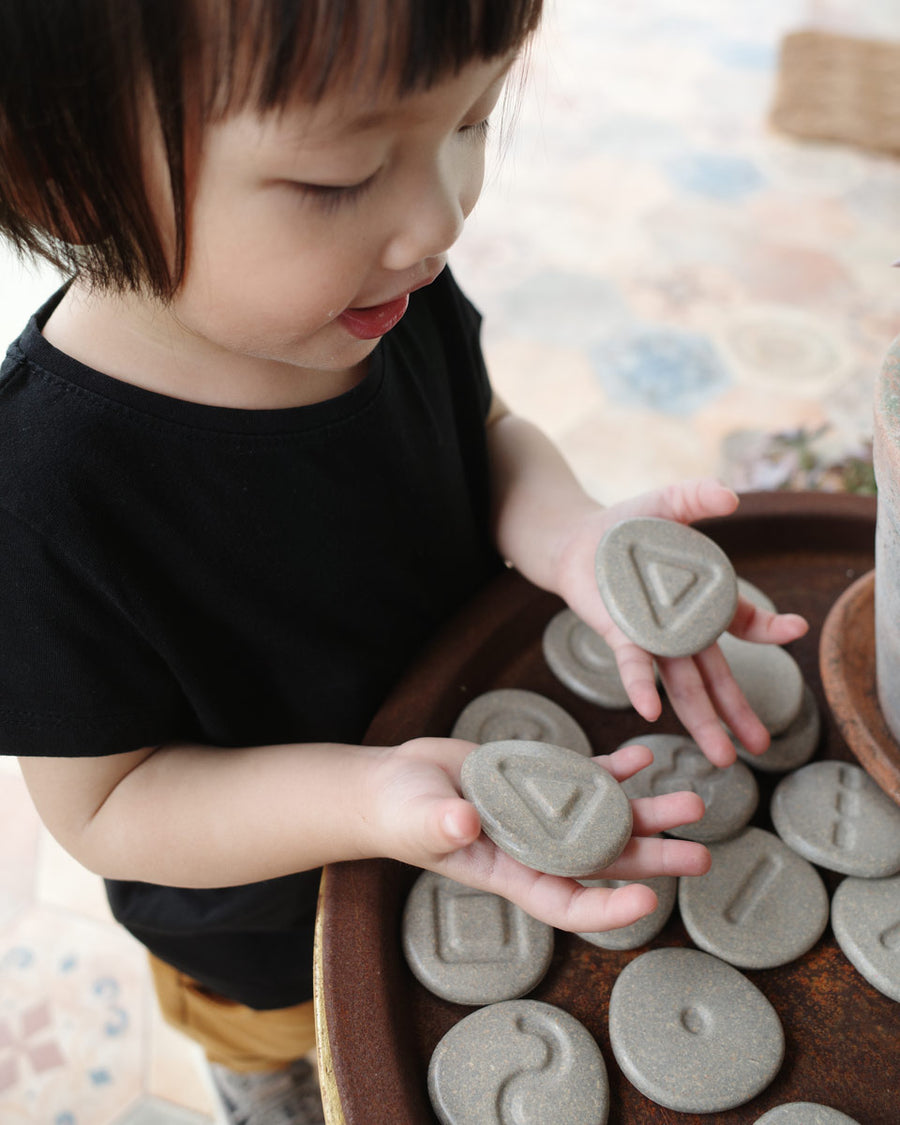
(180, 572)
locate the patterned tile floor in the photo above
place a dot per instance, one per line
(665, 282)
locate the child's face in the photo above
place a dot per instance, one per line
(309, 228)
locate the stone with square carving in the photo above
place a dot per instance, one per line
(471, 946)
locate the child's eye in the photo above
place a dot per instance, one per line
(477, 131)
(329, 197)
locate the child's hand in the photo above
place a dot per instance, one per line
(701, 688)
(420, 818)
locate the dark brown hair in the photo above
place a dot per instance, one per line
(75, 73)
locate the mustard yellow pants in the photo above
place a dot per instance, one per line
(240, 1038)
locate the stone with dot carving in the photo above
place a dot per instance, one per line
(691, 1032)
(730, 795)
(865, 917)
(508, 713)
(548, 807)
(668, 587)
(760, 904)
(836, 816)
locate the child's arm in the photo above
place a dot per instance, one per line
(549, 528)
(196, 816)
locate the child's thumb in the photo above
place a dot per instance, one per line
(454, 824)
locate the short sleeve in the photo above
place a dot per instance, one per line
(76, 677)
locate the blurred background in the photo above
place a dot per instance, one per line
(672, 286)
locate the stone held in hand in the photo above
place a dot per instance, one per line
(548, 807)
(668, 587)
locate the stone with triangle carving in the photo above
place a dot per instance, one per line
(548, 807)
(668, 587)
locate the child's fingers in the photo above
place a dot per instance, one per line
(652, 815)
(729, 701)
(689, 697)
(597, 909)
(751, 623)
(447, 824)
(647, 856)
(685, 501)
(626, 761)
(638, 675)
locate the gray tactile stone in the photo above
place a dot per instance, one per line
(730, 795)
(795, 746)
(865, 917)
(509, 713)
(769, 677)
(548, 807)
(835, 815)
(644, 929)
(582, 660)
(517, 1062)
(805, 1113)
(471, 946)
(668, 587)
(754, 594)
(691, 1032)
(759, 905)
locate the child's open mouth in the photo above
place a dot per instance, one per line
(375, 320)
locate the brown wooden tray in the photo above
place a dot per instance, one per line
(379, 1026)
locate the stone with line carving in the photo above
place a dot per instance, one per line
(759, 905)
(518, 1061)
(691, 1032)
(668, 587)
(471, 946)
(835, 815)
(730, 795)
(865, 917)
(548, 807)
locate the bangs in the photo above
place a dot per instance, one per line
(76, 78)
(304, 49)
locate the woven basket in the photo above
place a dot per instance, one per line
(839, 88)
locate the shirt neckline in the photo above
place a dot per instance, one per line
(39, 351)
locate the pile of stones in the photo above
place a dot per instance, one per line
(687, 1028)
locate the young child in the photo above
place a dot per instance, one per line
(251, 461)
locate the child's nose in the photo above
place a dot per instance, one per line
(427, 225)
